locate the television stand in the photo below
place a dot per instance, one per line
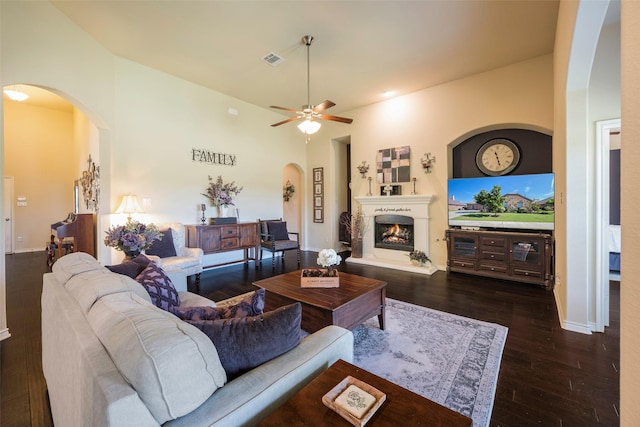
(516, 256)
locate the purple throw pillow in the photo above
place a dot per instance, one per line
(278, 229)
(164, 247)
(160, 288)
(243, 343)
(131, 267)
(251, 305)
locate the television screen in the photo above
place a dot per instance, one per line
(523, 202)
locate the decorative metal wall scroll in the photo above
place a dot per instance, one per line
(91, 186)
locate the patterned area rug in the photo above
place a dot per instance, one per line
(446, 358)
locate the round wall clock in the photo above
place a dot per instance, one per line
(498, 157)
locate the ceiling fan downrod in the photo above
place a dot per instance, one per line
(307, 40)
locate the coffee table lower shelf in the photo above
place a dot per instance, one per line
(402, 407)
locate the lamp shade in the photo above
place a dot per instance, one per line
(129, 206)
(309, 126)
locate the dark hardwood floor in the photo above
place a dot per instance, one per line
(548, 376)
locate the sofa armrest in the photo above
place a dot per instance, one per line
(155, 259)
(191, 253)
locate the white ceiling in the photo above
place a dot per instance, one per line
(361, 48)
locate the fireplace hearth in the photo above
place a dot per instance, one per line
(394, 232)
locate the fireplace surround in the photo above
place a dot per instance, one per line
(413, 207)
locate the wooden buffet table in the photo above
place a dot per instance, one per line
(218, 238)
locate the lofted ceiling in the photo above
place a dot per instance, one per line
(361, 48)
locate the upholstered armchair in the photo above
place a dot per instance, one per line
(274, 237)
(171, 253)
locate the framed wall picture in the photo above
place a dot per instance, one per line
(318, 195)
(393, 165)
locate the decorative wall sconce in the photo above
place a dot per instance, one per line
(427, 162)
(363, 168)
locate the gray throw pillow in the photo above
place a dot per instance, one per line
(247, 342)
(164, 247)
(131, 267)
(278, 229)
(160, 288)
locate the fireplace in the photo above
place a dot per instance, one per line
(394, 232)
(395, 225)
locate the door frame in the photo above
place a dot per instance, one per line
(602, 169)
(8, 208)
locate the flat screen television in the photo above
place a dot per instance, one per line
(521, 202)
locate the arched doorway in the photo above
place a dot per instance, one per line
(293, 204)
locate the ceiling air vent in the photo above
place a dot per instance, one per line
(273, 59)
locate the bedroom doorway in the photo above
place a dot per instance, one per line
(606, 131)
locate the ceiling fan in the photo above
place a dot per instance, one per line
(310, 113)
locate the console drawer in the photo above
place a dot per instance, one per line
(494, 268)
(493, 241)
(464, 264)
(493, 255)
(229, 243)
(528, 273)
(229, 231)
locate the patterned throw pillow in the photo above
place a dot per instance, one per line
(160, 288)
(251, 305)
(243, 343)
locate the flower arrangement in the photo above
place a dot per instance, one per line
(288, 190)
(132, 237)
(221, 194)
(356, 225)
(327, 258)
(419, 257)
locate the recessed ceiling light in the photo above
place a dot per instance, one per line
(16, 95)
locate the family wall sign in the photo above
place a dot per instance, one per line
(205, 156)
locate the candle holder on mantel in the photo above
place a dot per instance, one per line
(369, 193)
(203, 207)
(414, 186)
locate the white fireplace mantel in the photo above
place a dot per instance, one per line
(415, 206)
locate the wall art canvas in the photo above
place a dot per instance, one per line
(393, 164)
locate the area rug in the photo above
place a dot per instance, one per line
(446, 358)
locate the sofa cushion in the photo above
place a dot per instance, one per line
(172, 366)
(164, 247)
(246, 342)
(278, 229)
(74, 263)
(250, 305)
(88, 287)
(160, 288)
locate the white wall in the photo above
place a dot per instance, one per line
(433, 120)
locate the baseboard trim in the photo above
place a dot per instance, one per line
(4, 334)
(567, 325)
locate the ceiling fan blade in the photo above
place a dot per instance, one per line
(335, 118)
(285, 109)
(285, 121)
(323, 106)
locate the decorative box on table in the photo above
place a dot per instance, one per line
(319, 278)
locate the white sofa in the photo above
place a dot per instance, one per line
(111, 358)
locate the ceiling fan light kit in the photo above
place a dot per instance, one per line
(310, 112)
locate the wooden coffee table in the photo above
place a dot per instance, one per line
(355, 301)
(401, 408)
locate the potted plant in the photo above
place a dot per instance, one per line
(418, 258)
(132, 238)
(356, 228)
(221, 194)
(326, 277)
